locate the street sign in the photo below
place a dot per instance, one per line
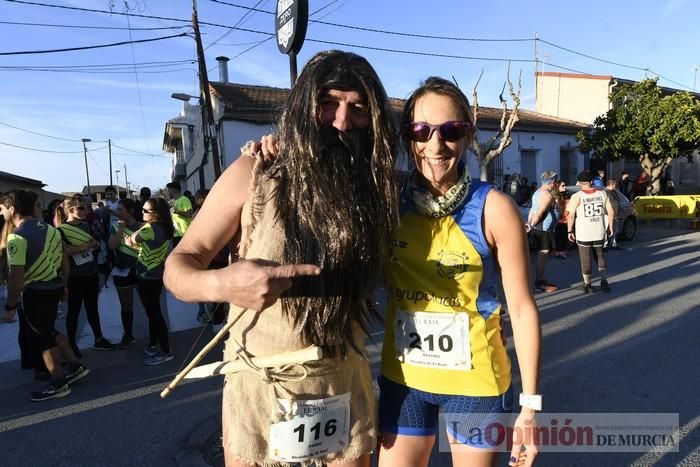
(291, 19)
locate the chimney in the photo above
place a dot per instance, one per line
(223, 68)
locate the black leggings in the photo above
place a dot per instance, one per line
(149, 292)
(584, 253)
(83, 289)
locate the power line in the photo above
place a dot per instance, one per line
(47, 70)
(72, 49)
(380, 31)
(111, 65)
(42, 150)
(80, 26)
(135, 151)
(239, 22)
(40, 134)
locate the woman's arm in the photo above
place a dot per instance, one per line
(504, 232)
(255, 283)
(116, 238)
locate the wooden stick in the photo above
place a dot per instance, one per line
(223, 368)
(197, 358)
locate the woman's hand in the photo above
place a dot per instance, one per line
(524, 448)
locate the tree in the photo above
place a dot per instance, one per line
(646, 124)
(496, 144)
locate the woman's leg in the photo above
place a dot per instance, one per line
(92, 290)
(405, 451)
(75, 302)
(126, 300)
(151, 290)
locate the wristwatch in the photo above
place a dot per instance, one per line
(531, 401)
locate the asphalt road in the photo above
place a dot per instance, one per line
(633, 350)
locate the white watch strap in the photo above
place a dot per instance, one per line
(531, 401)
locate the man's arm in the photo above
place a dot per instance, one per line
(255, 283)
(571, 216)
(611, 216)
(546, 201)
(15, 283)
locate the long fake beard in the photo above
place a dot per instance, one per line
(332, 212)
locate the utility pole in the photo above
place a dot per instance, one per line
(695, 77)
(126, 183)
(536, 61)
(87, 172)
(109, 141)
(117, 171)
(205, 98)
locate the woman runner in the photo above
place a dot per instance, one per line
(153, 242)
(124, 270)
(443, 350)
(84, 282)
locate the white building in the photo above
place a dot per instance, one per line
(585, 97)
(246, 112)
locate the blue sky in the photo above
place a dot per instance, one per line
(132, 108)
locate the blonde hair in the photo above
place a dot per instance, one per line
(67, 204)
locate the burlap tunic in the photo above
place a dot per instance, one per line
(248, 399)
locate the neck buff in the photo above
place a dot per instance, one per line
(438, 206)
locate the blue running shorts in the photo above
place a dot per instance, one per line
(412, 412)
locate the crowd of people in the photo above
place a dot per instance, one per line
(588, 219)
(65, 253)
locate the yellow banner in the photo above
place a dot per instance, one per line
(668, 207)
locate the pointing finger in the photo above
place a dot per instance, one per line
(295, 270)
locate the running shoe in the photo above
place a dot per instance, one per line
(54, 390)
(151, 350)
(158, 358)
(586, 288)
(126, 342)
(545, 286)
(75, 372)
(604, 286)
(103, 344)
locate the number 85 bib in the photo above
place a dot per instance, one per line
(433, 340)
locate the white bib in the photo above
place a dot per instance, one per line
(314, 428)
(433, 340)
(82, 258)
(120, 272)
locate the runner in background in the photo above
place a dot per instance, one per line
(153, 243)
(181, 210)
(586, 224)
(124, 271)
(38, 276)
(84, 283)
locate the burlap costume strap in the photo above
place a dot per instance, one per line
(250, 397)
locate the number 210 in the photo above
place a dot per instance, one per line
(444, 342)
(328, 430)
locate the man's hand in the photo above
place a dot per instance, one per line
(257, 283)
(524, 450)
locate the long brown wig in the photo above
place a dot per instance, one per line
(337, 201)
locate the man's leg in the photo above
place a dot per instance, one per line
(602, 269)
(584, 253)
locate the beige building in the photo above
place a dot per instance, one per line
(9, 181)
(583, 98)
